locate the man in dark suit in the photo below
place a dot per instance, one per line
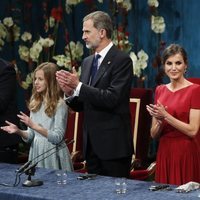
(8, 111)
(107, 139)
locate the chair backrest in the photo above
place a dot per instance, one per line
(145, 174)
(141, 122)
(74, 131)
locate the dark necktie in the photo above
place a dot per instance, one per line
(94, 67)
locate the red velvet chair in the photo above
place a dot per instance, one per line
(144, 174)
(141, 122)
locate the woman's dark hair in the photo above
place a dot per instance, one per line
(172, 50)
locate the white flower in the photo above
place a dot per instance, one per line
(68, 3)
(133, 57)
(142, 56)
(153, 3)
(45, 42)
(137, 70)
(26, 36)
(34, 55)
(35, 51)
(37, 47)
(48, 42)
(63, 61)
(76, 50)
(3, 31)
(29, 80)
(51, 22)
(73, 2)
(157, 24)
(24, 53)
(73, 54)
(8, 21)
(8, 31)
(16, 32)
(126, 4)
(24, 85)
(68, 10)
(139, 62)
(41, 41)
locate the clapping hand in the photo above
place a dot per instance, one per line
(157, 110)
(67, 81)
(26, 119)
(12, 128)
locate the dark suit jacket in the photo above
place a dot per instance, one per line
(106, 105)
(8, 102)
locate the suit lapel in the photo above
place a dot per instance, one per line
(86, 71)
(104, 65)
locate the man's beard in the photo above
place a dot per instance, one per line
(89, 46)
(94, 45)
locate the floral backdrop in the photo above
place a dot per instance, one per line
(32, 32)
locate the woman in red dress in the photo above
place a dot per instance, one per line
(176, 122)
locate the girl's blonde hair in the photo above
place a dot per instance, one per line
(51, 95)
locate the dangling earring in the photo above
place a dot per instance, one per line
(185, 70)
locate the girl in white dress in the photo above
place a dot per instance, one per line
(47, 121)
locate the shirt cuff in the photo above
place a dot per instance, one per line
(77, 90)
(75, 93)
